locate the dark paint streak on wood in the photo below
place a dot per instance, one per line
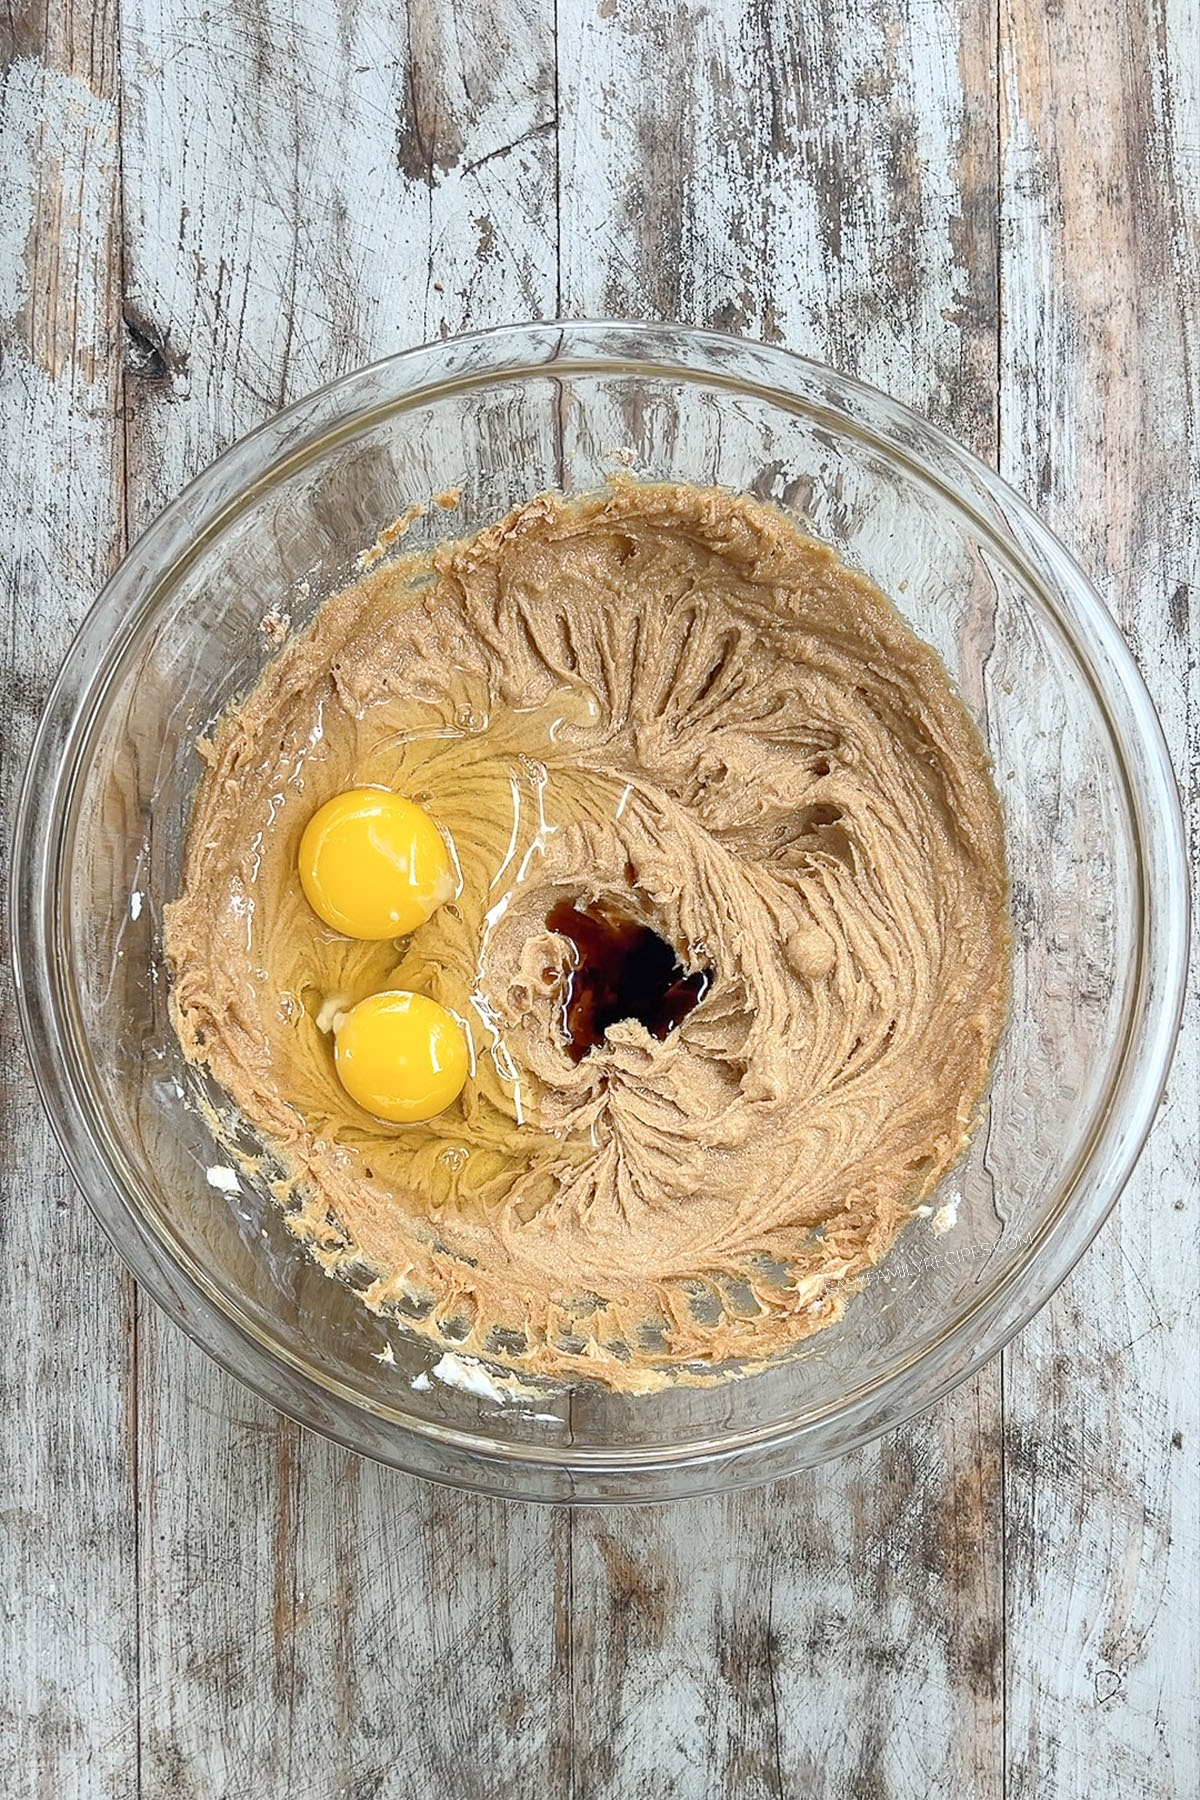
(974, 387)
(746, 1655)
(283, 1566)
(1178, 609)
(771, 1647)
(638, 1593)
(869, 1780)
(562, 1747)
(503, 150)
(149, 354)
(346, 1572)
(655, 207)
(556, 89)
(427, 146)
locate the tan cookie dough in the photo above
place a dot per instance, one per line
(669, 698)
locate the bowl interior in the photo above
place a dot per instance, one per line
(194, 640)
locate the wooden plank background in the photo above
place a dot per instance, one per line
(990, 207)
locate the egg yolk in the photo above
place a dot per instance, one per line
(401, 1056)
(373, 864)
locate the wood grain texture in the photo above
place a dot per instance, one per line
(1100, 260)
(68, 1556)
(994, 212)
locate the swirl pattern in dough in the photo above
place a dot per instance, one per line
(668, 699)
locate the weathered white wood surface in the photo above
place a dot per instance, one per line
(1100, 426)
(993, 210)
(68, 1502)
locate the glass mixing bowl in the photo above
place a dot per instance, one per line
(1094, 840)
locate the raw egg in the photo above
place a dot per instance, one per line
(373, 864)
(401, 1056)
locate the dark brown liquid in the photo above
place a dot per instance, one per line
(622, 970)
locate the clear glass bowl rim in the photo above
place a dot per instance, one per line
(109, 635)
